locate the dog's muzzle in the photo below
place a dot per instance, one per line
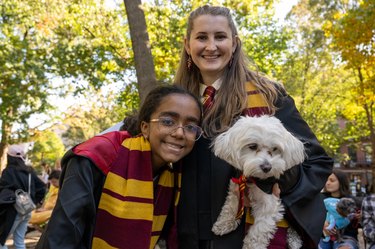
(266, 167)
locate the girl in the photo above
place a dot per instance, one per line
(213, 59)
(117, 190)
(337, 186)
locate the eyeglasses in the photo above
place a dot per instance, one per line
(169, 125)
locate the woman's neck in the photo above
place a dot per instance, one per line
(208, 80)
(336, 194)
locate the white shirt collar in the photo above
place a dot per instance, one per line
(216, 85)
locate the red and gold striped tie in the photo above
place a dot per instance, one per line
(208, 98)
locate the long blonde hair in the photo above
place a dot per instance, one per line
(231, 99)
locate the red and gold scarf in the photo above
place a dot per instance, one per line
(256, 102)
(131, 212)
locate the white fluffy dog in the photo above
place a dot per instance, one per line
(259, 147)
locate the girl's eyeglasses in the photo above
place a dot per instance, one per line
(169, 125)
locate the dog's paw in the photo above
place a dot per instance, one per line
(162, 244)
(224, 227)
(257, 241)
(294, 240)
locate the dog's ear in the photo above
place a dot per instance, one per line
(294, 152)
(222, 148)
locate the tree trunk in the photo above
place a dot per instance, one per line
(5, 132)
(144, 64)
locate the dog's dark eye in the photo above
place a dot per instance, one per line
(274, 151)
(253, 146)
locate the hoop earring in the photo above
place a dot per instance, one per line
(189, 62)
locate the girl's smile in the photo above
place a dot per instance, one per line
(170, 129)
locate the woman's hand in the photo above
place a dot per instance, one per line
(358, 215)
(328, 232)
(276, 190)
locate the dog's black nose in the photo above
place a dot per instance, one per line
(266, 167)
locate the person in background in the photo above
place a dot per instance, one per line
(368, 220)
(15, 176)
(116, 190)
(214, 67)
(41, 215)
(337, 186)
(46, 170)
(57, 165)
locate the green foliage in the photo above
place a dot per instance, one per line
(127, 101)
(263, 38)
(41, 40)
(48, 147)
(99, 111)
(22, 61)
(89, 42)
(166, 22)
(330, 69)
(312, 77)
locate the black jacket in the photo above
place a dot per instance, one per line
(16, 176)
(81, 184)
(205, 180)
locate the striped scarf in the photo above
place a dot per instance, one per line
(131, 212)
(257, 106)
(256, 103)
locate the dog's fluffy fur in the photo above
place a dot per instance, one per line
(259, 147)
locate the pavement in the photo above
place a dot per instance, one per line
(30, 240)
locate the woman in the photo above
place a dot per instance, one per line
(213, 57)
(17, 176)
(117, 190)
(337, 186)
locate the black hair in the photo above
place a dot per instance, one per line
(55, 174)
(132, 123)
(344, 187)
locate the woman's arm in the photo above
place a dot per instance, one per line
(303, 182)
(40, 188)
(301, 185)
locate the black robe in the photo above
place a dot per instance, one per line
(73, 219)
(72, 222)
(205, 180)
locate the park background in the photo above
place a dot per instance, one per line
(73, 68)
